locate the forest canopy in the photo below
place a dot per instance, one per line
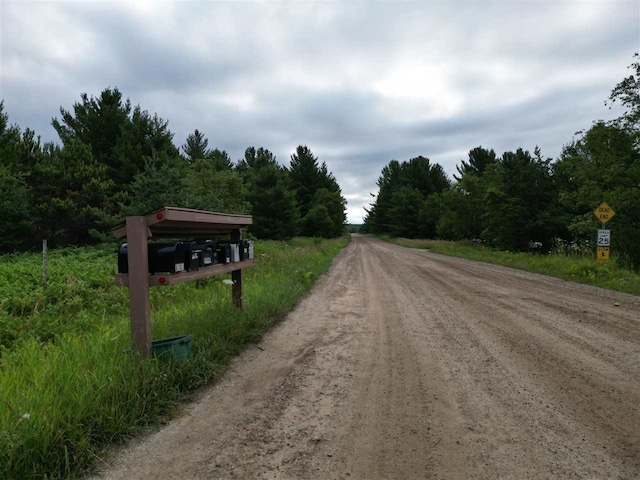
(522, 201)
(116, 159)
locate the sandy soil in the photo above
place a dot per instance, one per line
(404, 364)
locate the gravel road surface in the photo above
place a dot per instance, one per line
(404, 364)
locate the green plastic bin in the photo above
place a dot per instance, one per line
(177, 347)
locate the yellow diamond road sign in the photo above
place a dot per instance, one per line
(604, 212)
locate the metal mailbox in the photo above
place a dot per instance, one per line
(192, 254)
(189, 256)
(223, 252)
(207, 255)
(234, 250)
(246, 249)
(123, 259)
(169, 258)
(163, 257)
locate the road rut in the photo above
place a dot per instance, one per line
(407, 364)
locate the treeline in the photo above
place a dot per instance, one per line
(116, 160)
(521, 201)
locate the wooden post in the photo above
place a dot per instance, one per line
(44, 262)
(139, 284)
(236, 276)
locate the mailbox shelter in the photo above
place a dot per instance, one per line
(172, 222)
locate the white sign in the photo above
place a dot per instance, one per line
(604, 238)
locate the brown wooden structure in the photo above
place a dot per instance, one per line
(177, 223)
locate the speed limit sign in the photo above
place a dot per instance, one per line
(604, 238)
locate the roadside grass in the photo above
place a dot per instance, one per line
(577, 268)
(67, 387)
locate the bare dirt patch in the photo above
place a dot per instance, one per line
(407, 364)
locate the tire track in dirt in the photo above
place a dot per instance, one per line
(406, 364)
(580, 389)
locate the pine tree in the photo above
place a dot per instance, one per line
(207, 188)
(119, 136)
(71, 198)
(196, 146)
(274, 210)
(273, 201)
(402, 207)
(305, 177)
(479, 159)
(161, 183)
(315, 186)
(16, 223)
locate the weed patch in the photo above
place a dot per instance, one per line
(67, 387)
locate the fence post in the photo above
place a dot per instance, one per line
(44, 262)
(137, 257)
(236, 276)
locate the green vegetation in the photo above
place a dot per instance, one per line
(577, 267)
(521, 201)
(67, 386)
(116, 160)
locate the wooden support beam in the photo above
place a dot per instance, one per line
(173, 221)
(165, 279)
(236, 276)
(139, 284)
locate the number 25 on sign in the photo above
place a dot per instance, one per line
(604, 212)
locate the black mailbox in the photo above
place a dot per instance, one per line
(223, 252)
(192, 254)
(213, 245)
(123, 259)
(234, 249)
(207, 254)
(244, 250)
(166, 257)
(162, 258)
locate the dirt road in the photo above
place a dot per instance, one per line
(404, 364)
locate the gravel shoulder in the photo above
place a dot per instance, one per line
(407, 364)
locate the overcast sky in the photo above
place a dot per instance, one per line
(359, 82)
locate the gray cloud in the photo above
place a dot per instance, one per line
(360, 83)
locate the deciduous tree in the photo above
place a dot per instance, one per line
(603, 165)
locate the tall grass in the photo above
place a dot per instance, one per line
(577, 268)
(67, 387)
